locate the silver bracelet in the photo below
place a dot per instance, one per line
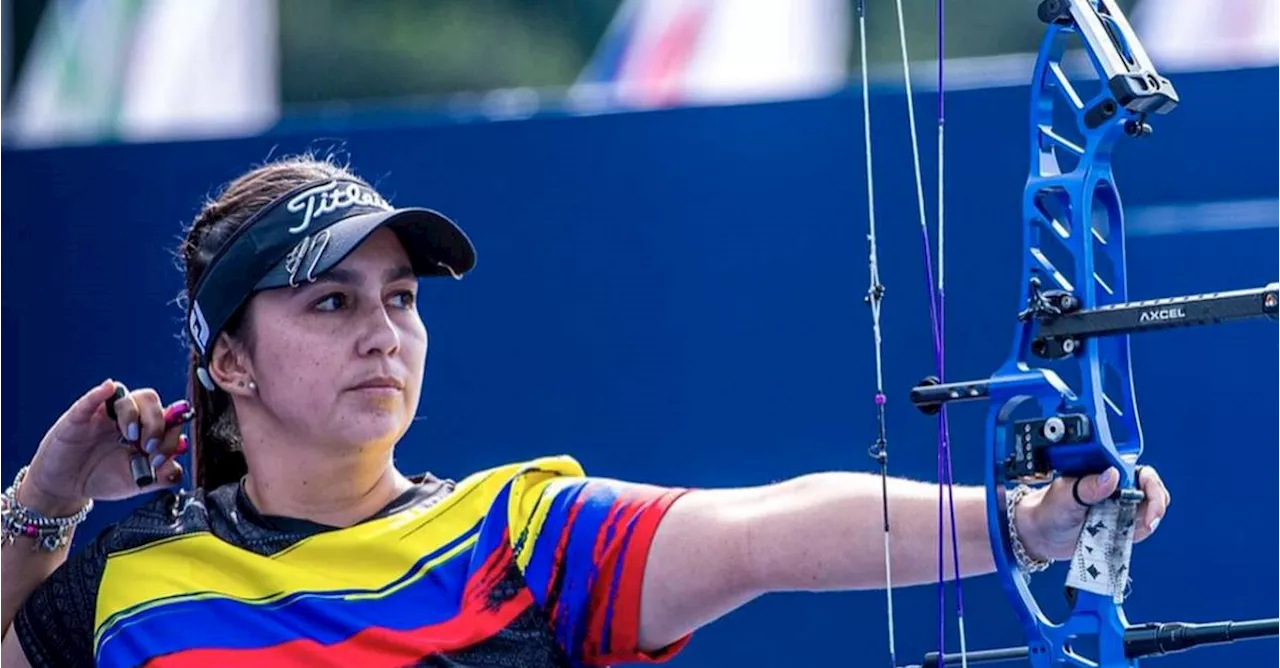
(49, 533)
(1025, 562)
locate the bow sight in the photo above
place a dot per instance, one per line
(1062, 403)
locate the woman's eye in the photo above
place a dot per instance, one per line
(404, 299)
(332, 302)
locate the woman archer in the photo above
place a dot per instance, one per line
(302, 544)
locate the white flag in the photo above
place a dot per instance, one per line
(142, 70)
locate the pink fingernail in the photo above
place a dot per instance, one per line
(182, 445)
(178, 413)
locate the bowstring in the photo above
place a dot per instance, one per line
(936, 311)
(875, 293)
(942, 311)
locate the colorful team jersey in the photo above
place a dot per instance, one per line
(526, 565)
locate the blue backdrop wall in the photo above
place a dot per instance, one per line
(675, 297)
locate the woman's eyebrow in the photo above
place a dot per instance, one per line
(348, 277)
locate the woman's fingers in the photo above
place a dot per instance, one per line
(87, 405)
(151, 420)
(152, 431)
(173, 445)
(123, 407)
(168, 474)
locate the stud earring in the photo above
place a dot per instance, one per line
(253, 386)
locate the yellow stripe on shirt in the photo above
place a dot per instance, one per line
(366, 556)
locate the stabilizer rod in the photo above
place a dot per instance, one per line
(1140, 640)
(1062, 327)
(1151, 639)
(930, 395)
(1153, 314)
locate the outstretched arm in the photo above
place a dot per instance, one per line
(717, 549)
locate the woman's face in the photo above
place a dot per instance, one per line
(340, 361)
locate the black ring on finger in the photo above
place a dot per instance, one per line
(119, 394)
(1075, 492)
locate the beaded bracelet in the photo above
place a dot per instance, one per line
(16, 520)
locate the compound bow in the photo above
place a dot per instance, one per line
(1063, 401)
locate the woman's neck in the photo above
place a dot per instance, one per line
(335, 492)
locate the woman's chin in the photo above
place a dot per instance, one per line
(374, 426)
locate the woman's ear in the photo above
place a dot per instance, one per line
(231, 368)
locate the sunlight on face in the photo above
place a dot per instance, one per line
(340, 361)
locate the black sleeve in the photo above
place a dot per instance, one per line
(55, 623)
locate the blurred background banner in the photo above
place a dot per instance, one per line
(673, 52)
(144, 70)
(1185, 35)
(82, 71)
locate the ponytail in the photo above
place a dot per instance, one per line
(215, 449)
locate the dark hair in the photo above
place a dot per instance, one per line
(216, 447)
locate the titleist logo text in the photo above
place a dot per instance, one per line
(320, 200)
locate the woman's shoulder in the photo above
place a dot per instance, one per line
(551, 466)
(510, 481)
(165, 515)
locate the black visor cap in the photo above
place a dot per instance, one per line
(308, 231)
